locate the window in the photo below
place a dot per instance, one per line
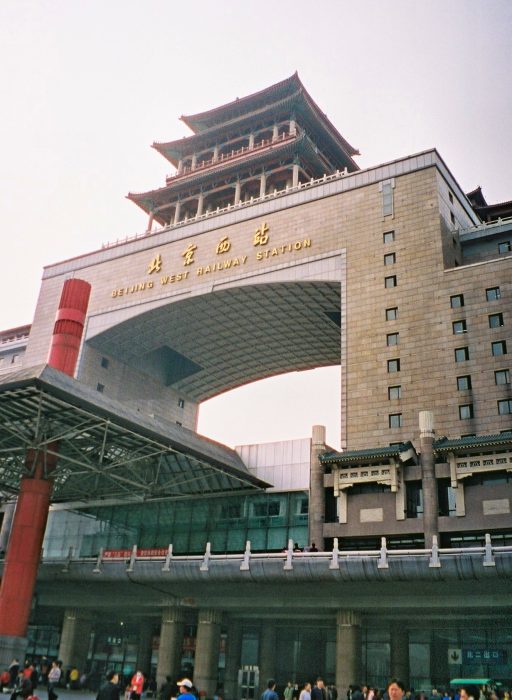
(395, 420)
(392, 313)
(505, 407)
(394, 365)
(452, 217)
(456, 301)
(502, 376)
(461, 354)
(505, 247)
(181, 403)
(390, 259)
(230, 511)
(388, 237)
(492, 293)
(390, 281)
(14, 359)
(271, 508)
(466, 411)
(414, 499)
(179, 423)
(495, 320)
(464, 383)
(450, 197)
(394, 392)
(459, 327)
(446, 498)
(499, 348)
(392, 339)
(100, 388)
(387, 197)
(104, 362)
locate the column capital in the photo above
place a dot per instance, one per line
(426, 421)
(172, 614)
(208, 616)
(78, 614)
(348, 618)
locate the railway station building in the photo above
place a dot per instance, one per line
(268, 250)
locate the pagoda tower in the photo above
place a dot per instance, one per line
(245, 150)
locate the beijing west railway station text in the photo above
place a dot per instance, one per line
(167, 551)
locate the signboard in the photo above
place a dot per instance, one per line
(482, 656)
(127, 553)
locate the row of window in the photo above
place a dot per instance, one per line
(501, 377)
(495, 321)
(491, 294)
(504, 409)
(498, 348)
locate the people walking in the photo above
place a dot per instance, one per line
(270, 692)
(110, 689)
(54, 675)
(136, 685)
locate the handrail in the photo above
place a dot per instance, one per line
(288, 556)
(487, 224)
(229, 156)
(339, 174)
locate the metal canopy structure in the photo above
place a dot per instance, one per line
(105, 451)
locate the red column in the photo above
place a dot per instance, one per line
(69, 326)
(29, 522)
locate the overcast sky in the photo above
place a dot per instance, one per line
(88, 85)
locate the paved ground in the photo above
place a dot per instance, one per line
(63, 693)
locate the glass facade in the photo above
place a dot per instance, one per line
(268, 520)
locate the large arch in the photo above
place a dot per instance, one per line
(210, 343)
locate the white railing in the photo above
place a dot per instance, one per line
(485, 225)
(290, 557)
(224, 157)
(230, 207)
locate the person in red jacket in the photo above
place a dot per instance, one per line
(137, 685)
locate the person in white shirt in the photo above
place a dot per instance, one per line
(305, 693)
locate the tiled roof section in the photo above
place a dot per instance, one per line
(203, 120)
(368, 455)
(449, 445)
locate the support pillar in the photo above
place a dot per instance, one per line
(200, 201)
(316, 489)
(234, 645)
(348, 650)
(428, 477)
(251, 140)
(5, 530)
(267, 654)
(238, 192)
(145, 649)
(275, 132)
(75, 638)
(193, 163)
(177, 212)
(263, 185)
(30, 516)
(295, 175)
(180, 166)
(293, 127)
(171, 644)
(399, 652)
(206, 665)
(215, 153)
